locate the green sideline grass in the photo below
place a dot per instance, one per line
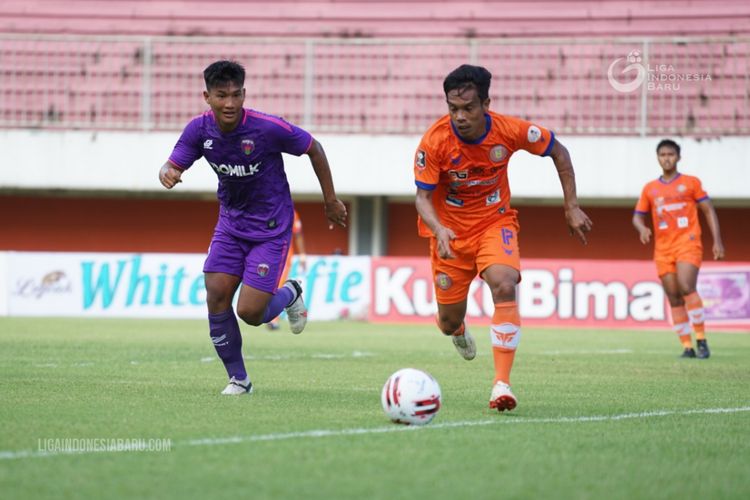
(141, 379)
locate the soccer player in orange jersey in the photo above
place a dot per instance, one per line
(298, 244)
(678, 252)
(463, 201)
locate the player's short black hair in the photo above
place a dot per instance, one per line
(468, 76)
(222, 73)
(670, 144)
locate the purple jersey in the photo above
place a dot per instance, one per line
(253, 191)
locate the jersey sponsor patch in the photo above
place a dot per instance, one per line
(453, 201)
(533, 134)
(421, 160)
(493, 199)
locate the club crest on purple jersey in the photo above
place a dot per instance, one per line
(262, 270)
(248, 146)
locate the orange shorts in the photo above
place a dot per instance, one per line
(666, 261)
(496, 245)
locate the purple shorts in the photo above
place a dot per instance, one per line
(258, 263)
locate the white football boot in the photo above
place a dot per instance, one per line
(465, 345)
(237, 387)
(502, 397)
(296, 312)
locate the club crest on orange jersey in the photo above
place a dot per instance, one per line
(498, 153)
(248, 146)
(443, 281)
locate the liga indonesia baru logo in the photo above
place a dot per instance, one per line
(659, 77)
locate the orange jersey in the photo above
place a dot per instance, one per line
(297, 224)
(470, 179)
(673, 211)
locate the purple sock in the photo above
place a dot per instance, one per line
(225, 335)
(278, 302)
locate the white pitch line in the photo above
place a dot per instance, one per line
(322, 433)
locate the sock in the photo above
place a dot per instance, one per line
(225, 335)
(505, 333)
(694, 306)
(681, 326)
(282, 298)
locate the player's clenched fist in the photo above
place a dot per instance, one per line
(169, 175)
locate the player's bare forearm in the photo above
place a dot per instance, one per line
(644, 233)
(713, 225)
(577, 220)
(442, 234)
(334, 208)
(169, 175)
(426, 211)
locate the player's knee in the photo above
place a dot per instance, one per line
(448, 324)
(675, 300)
(686, 289)
(218, 300)
(503, 291)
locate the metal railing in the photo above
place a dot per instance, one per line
(619, 86)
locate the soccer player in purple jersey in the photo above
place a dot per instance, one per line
(252, 236)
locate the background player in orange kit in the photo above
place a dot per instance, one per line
(463, 201)
(678, 251)
(296, 248)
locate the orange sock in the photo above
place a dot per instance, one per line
(681, 325)
(694, 306)
(505, 333)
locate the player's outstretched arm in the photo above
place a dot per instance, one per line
(443, 235)
(644, 233)
(713, 225)
(578, 222)
(169, 175)
(334, 208)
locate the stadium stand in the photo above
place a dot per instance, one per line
(378, 18)
(335, 66)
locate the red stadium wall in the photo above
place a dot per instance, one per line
(66, 224)
(49, 223)
(544, 234)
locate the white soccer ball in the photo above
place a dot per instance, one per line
(411, 397)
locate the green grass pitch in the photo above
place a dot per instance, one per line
(601, 414)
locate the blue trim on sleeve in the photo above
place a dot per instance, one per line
(702, 199)
(551, 143)
(425, 186)
(639, 212)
